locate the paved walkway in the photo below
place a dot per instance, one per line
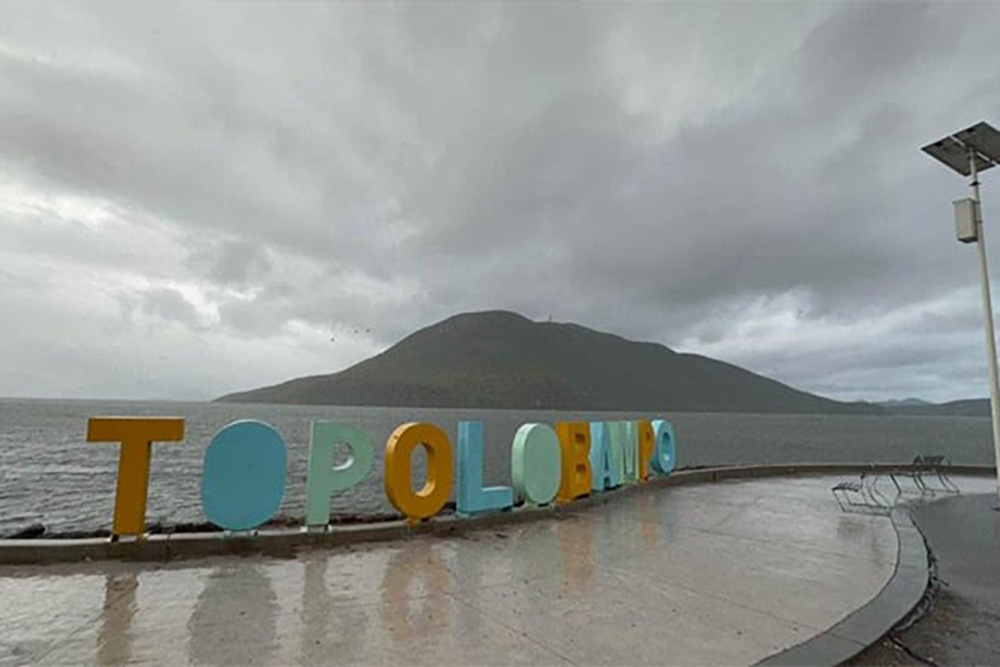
(724, 573)
(961, 628)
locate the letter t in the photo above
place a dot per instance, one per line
(136, 435)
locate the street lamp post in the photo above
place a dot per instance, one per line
(969, 152)
(984, 280)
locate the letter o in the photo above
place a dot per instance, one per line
(665, 448)
(244, 476)
(535, 463)
(429, 500)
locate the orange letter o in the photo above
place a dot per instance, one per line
(429, 500)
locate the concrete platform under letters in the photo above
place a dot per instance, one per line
(719, 573)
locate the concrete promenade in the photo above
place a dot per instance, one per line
(721, 573)
(960, 627)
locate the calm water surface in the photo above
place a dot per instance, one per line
(50, 474)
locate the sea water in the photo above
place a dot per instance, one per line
(50, 474)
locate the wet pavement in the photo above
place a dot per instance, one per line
(725, 573)
(961, 627)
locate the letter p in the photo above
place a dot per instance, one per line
(325, 478)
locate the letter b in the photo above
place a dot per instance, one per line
(574, 441)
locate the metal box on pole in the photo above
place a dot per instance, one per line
(967, 220)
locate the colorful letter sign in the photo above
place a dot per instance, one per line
(646, 440)
(243, 481)
(324, 478)
(602, 462)
(535, 463)
(398, 461)
(623, 436)
(471, 497)
(665, 453)
(136, 435)
(574, 442)
(245, 466)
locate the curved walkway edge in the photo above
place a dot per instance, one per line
(869, 623)
(283, 542)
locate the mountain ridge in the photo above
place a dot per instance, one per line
(966, 407)
(500, 359)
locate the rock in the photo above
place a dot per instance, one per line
(31, 532)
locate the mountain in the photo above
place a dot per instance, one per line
(904, 403)
(498, 359)
(969, 407)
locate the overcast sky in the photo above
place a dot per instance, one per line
(197, 198)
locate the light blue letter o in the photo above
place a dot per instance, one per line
(665, 451)
(243, 481)
(536, 463)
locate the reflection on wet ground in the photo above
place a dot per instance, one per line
(723, 573)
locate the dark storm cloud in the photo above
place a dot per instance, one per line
(754, 200)
(742, 180)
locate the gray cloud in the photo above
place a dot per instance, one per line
(170, 305)
(236, 264)
(305, 185)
